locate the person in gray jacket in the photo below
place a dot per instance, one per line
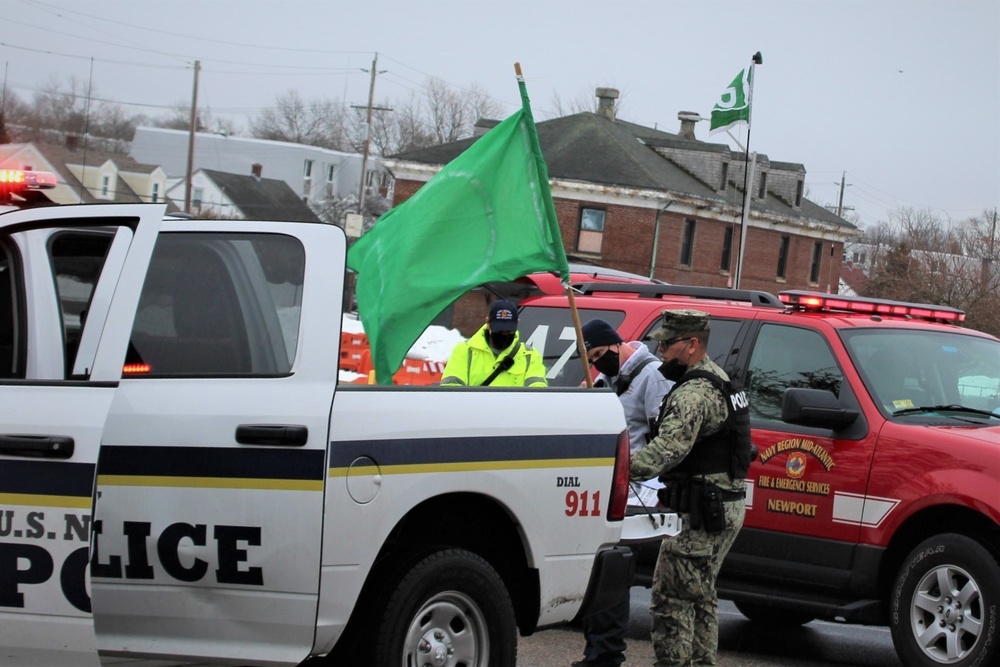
(634, 373)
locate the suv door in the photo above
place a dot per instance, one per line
(806, 488)
(58, 268)
(209, 509)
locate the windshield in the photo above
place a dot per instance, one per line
(905, 370)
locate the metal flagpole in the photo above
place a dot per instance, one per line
(751, 162)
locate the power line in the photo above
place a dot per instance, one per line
(99, 60)
(199, 39)
(97, 41)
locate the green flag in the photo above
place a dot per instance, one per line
(734, 106)
(486, 216)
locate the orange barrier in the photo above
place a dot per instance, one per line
(356, 357)
(353, 348)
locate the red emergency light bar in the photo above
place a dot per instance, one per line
(20, 179)
(819, 302)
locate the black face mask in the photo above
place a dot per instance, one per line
(608, 363)
(501, 340)
(673, 370)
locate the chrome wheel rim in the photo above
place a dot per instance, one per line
(946, 614)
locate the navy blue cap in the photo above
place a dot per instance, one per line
(597, 333)
(503, 316)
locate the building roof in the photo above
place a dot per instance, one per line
(592, 148)
(262, 199)
(60, 157)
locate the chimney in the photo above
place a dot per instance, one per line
(688, 119)
(255, 170)
(72, 142)
(483, 125)
(606, 102)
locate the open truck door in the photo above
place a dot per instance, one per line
(59, 267)
(208, 515)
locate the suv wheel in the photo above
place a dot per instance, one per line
(945, 604)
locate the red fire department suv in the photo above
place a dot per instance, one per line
(875, 498)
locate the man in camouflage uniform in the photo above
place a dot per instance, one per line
(701, 452)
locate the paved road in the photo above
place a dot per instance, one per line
(817, 644)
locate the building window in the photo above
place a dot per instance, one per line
(799, 187)
(105, 186)
(330, 171)
(155, 196)
(727, 249)
(307, 170)
(817, 258)
(762, 192)
(591, 230)
(687, 243)
(725, 176)
(782, 257)
(196, 196)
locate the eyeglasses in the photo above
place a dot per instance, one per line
(664, 344)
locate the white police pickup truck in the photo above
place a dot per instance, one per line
(183, 481)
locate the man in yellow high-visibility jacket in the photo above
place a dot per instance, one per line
(495, 355)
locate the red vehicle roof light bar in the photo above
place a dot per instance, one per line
(814, 301)
(27, 180)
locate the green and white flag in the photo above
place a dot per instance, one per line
(734, 106)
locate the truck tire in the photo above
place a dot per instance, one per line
(945, 604)
(451, 608)
(773, 615)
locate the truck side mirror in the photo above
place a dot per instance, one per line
(815, 407)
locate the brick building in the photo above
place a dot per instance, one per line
(667, 205)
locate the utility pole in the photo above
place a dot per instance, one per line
(368, 134)
(191, 133)
(840, 201)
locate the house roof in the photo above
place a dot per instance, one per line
(262, 199)
(591, 148)
(60, 157)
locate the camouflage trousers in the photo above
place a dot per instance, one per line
(684, 604)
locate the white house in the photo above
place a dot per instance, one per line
(314, 174)
(238, 196)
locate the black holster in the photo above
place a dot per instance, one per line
(702, 501)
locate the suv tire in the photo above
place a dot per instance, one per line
(945, 604)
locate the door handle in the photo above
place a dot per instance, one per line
(38, 446)
(281, 435)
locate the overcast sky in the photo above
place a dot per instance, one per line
(903, 96)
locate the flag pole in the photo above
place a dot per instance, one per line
(553, 221)
(750, 161)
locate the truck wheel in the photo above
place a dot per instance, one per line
(450, 609)
(945, 604)
(759, 613)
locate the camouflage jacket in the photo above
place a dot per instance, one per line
(692, 411)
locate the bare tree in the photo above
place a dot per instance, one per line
(180, 118)
(583, 101)
(452, 115)
(314, 123)
(921, 258)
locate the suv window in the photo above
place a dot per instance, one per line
(911, 368)
(218, 304)
(551, 332)
(784, 357)
(721, 339)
